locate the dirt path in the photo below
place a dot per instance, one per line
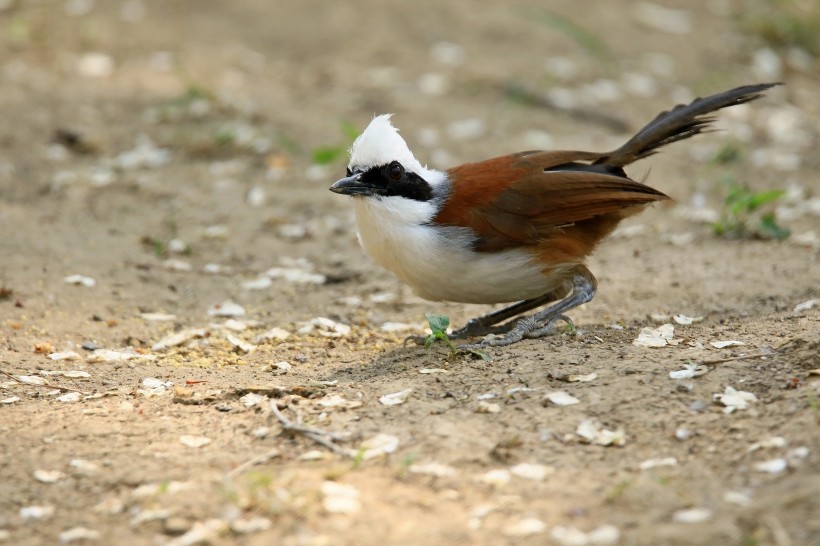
(165, 152)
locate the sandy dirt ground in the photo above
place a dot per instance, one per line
(167, 244)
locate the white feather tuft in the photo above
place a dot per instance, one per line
(380, 144)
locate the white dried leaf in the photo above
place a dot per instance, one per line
(65, 355)
(734, 399)
(276, 333)
(561, 398)
(244, 526)
(337, 401)
(226, 309)
(569, 536)
(796, 456)
(36, 512)
(253, 399)
(487, 407)
(325, 327)
(689, 371)
(724, 344)
(48, 476)
(31, 379)
(340, 498)
(179, 338)
(154, 383)
(108, 356)
(10, 400)
(236, 325)
(256, 196)
(382, 297)
(79, 534)
(655, 337)
(157, 317)
(204, 532)
(433, 469)
(397, 327)
(773, 466)
(194, 441)
(88, 282)
(296, 275)
(531, 471)
(497, 478)
(177, 246)
(592, 431)
(313, 455)
(737, 497)
(175, 264)
(772, 442)
(672, 21)
(260, 283)
(805, 306)
(217, 231)
(583, 378)
(396, 398)
(377, 446)
(525, 527)
(654, 463)
(70, 397)
(433, 370)
(71, 374)
(83, 467)
(692, 515)
(605, 534)
(148, 490)
(281, 367)
(240, 344)
(683, 320)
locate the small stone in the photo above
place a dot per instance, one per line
(175, 526)
(194, 441)
(531, 471)
(48, 476)
(340, 498)
(36, 512)
(79, 534)
(692, 515)
(525, 527)
(487, 407)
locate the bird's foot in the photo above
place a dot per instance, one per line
(527, 327)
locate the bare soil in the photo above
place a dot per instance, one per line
(240, 95)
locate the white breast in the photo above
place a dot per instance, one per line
(441, 266)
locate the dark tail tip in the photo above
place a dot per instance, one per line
(681, 122)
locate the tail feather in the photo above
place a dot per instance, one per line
(682, 122)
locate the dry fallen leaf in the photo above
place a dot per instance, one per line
(655, 337)
(396, 398)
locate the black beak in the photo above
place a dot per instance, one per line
(352, 185)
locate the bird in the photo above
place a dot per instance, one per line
(513, 229)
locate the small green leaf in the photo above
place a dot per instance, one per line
(350, 131)
(770, 228)
(324, 156)
(757, 200)
(438, 323)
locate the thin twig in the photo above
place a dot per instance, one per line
(44, 385)
(733, 358)
(259, 459)
(319, 436)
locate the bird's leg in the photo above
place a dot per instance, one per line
(481, 326)
(486, 324)
(540, 324)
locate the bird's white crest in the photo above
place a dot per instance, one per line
(380, 144)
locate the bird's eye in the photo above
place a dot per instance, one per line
(395, 171)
